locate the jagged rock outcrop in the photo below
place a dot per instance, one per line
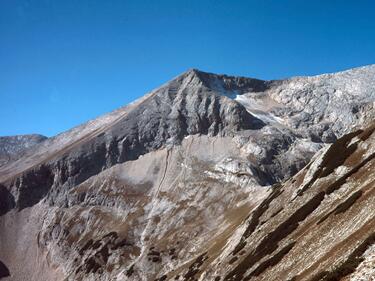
(158, 188)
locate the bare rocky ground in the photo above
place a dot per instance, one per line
(204, 178)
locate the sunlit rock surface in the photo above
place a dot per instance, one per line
(318, 225)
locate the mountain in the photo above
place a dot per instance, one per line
(201, 179)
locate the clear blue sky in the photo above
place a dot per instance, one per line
(64, 62)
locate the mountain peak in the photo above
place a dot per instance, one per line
(194, 71)
(221, 84)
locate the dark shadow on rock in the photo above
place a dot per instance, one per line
(35, 185)
(4, 271)
(6, 200)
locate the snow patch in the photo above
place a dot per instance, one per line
(258, 110)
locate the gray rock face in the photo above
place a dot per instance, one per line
(183, 107)
(324, 107)
(110, 199)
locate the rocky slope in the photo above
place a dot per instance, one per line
(179, 183)
(13, 147)
(318, 225)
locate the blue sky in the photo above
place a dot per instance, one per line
(64, 62)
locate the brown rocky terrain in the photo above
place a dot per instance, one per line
(318, 225)
(201, 179)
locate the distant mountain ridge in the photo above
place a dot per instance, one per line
(12, 147)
